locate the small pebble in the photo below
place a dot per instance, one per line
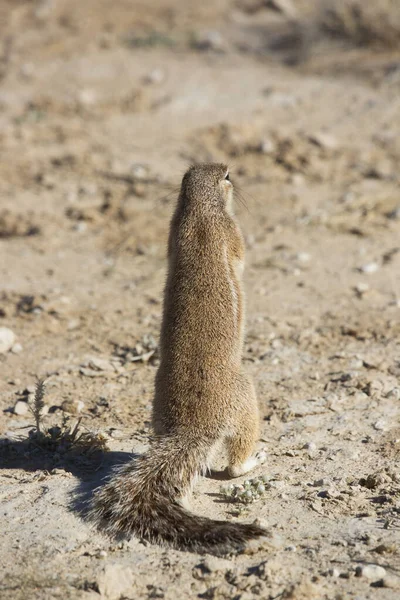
(210, 40)
(117, 434)
(267, 146)
(73, 324)
(310, 446)
(261, 523)
(21, 408)
(114, 581)
(155, 76)
(381, 425)
(369, 268)
(17, 348)
(297, 179)
(7, 339)
(87, 97)
(213, 564)
(80, 227)
(324, 140)
(100, 364)
(73, 407)
(303, 257)
(322, 482)
(394, 393)
(372, 572)
(139, 171)
(361, 288)
(261, 457)
(334, 572)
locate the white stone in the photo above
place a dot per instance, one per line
(73, 407)
(303, 256)
(87, 97)
(267, 146)
(371, 267)
(7, 339)
(210, 40)
(115, 581)
(372, 572)
(310, 446)
(21, 408)
(214, 564)
(101, 364)
(324, 140)
(155, 76)
(394, 393)
(362, 287)
(381, 425)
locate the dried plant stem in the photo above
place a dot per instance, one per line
(38, 403)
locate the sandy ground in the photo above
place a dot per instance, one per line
(102, 107)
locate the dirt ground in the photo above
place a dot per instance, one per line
(102, 107)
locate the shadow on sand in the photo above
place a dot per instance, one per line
(91, 469)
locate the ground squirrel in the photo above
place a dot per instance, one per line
(202, 396)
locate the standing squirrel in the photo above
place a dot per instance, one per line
(202, 396)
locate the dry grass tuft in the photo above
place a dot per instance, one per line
(363, 22)
(38, 403)
(69, 438)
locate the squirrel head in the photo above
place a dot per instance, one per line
(207, 185)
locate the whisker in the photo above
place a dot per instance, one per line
(240, 196)
(173, 191)
(249, 195)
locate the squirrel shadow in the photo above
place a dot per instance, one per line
(91, 470)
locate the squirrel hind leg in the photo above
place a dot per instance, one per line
(241, 446)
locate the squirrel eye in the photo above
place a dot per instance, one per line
(227, 177)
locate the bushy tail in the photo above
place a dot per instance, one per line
(142, 499)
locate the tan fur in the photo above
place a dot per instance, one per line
(202, 395)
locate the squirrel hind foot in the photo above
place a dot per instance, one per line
(247, 466)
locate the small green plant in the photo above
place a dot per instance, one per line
(248, 492)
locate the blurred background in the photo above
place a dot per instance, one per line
(103, 105)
